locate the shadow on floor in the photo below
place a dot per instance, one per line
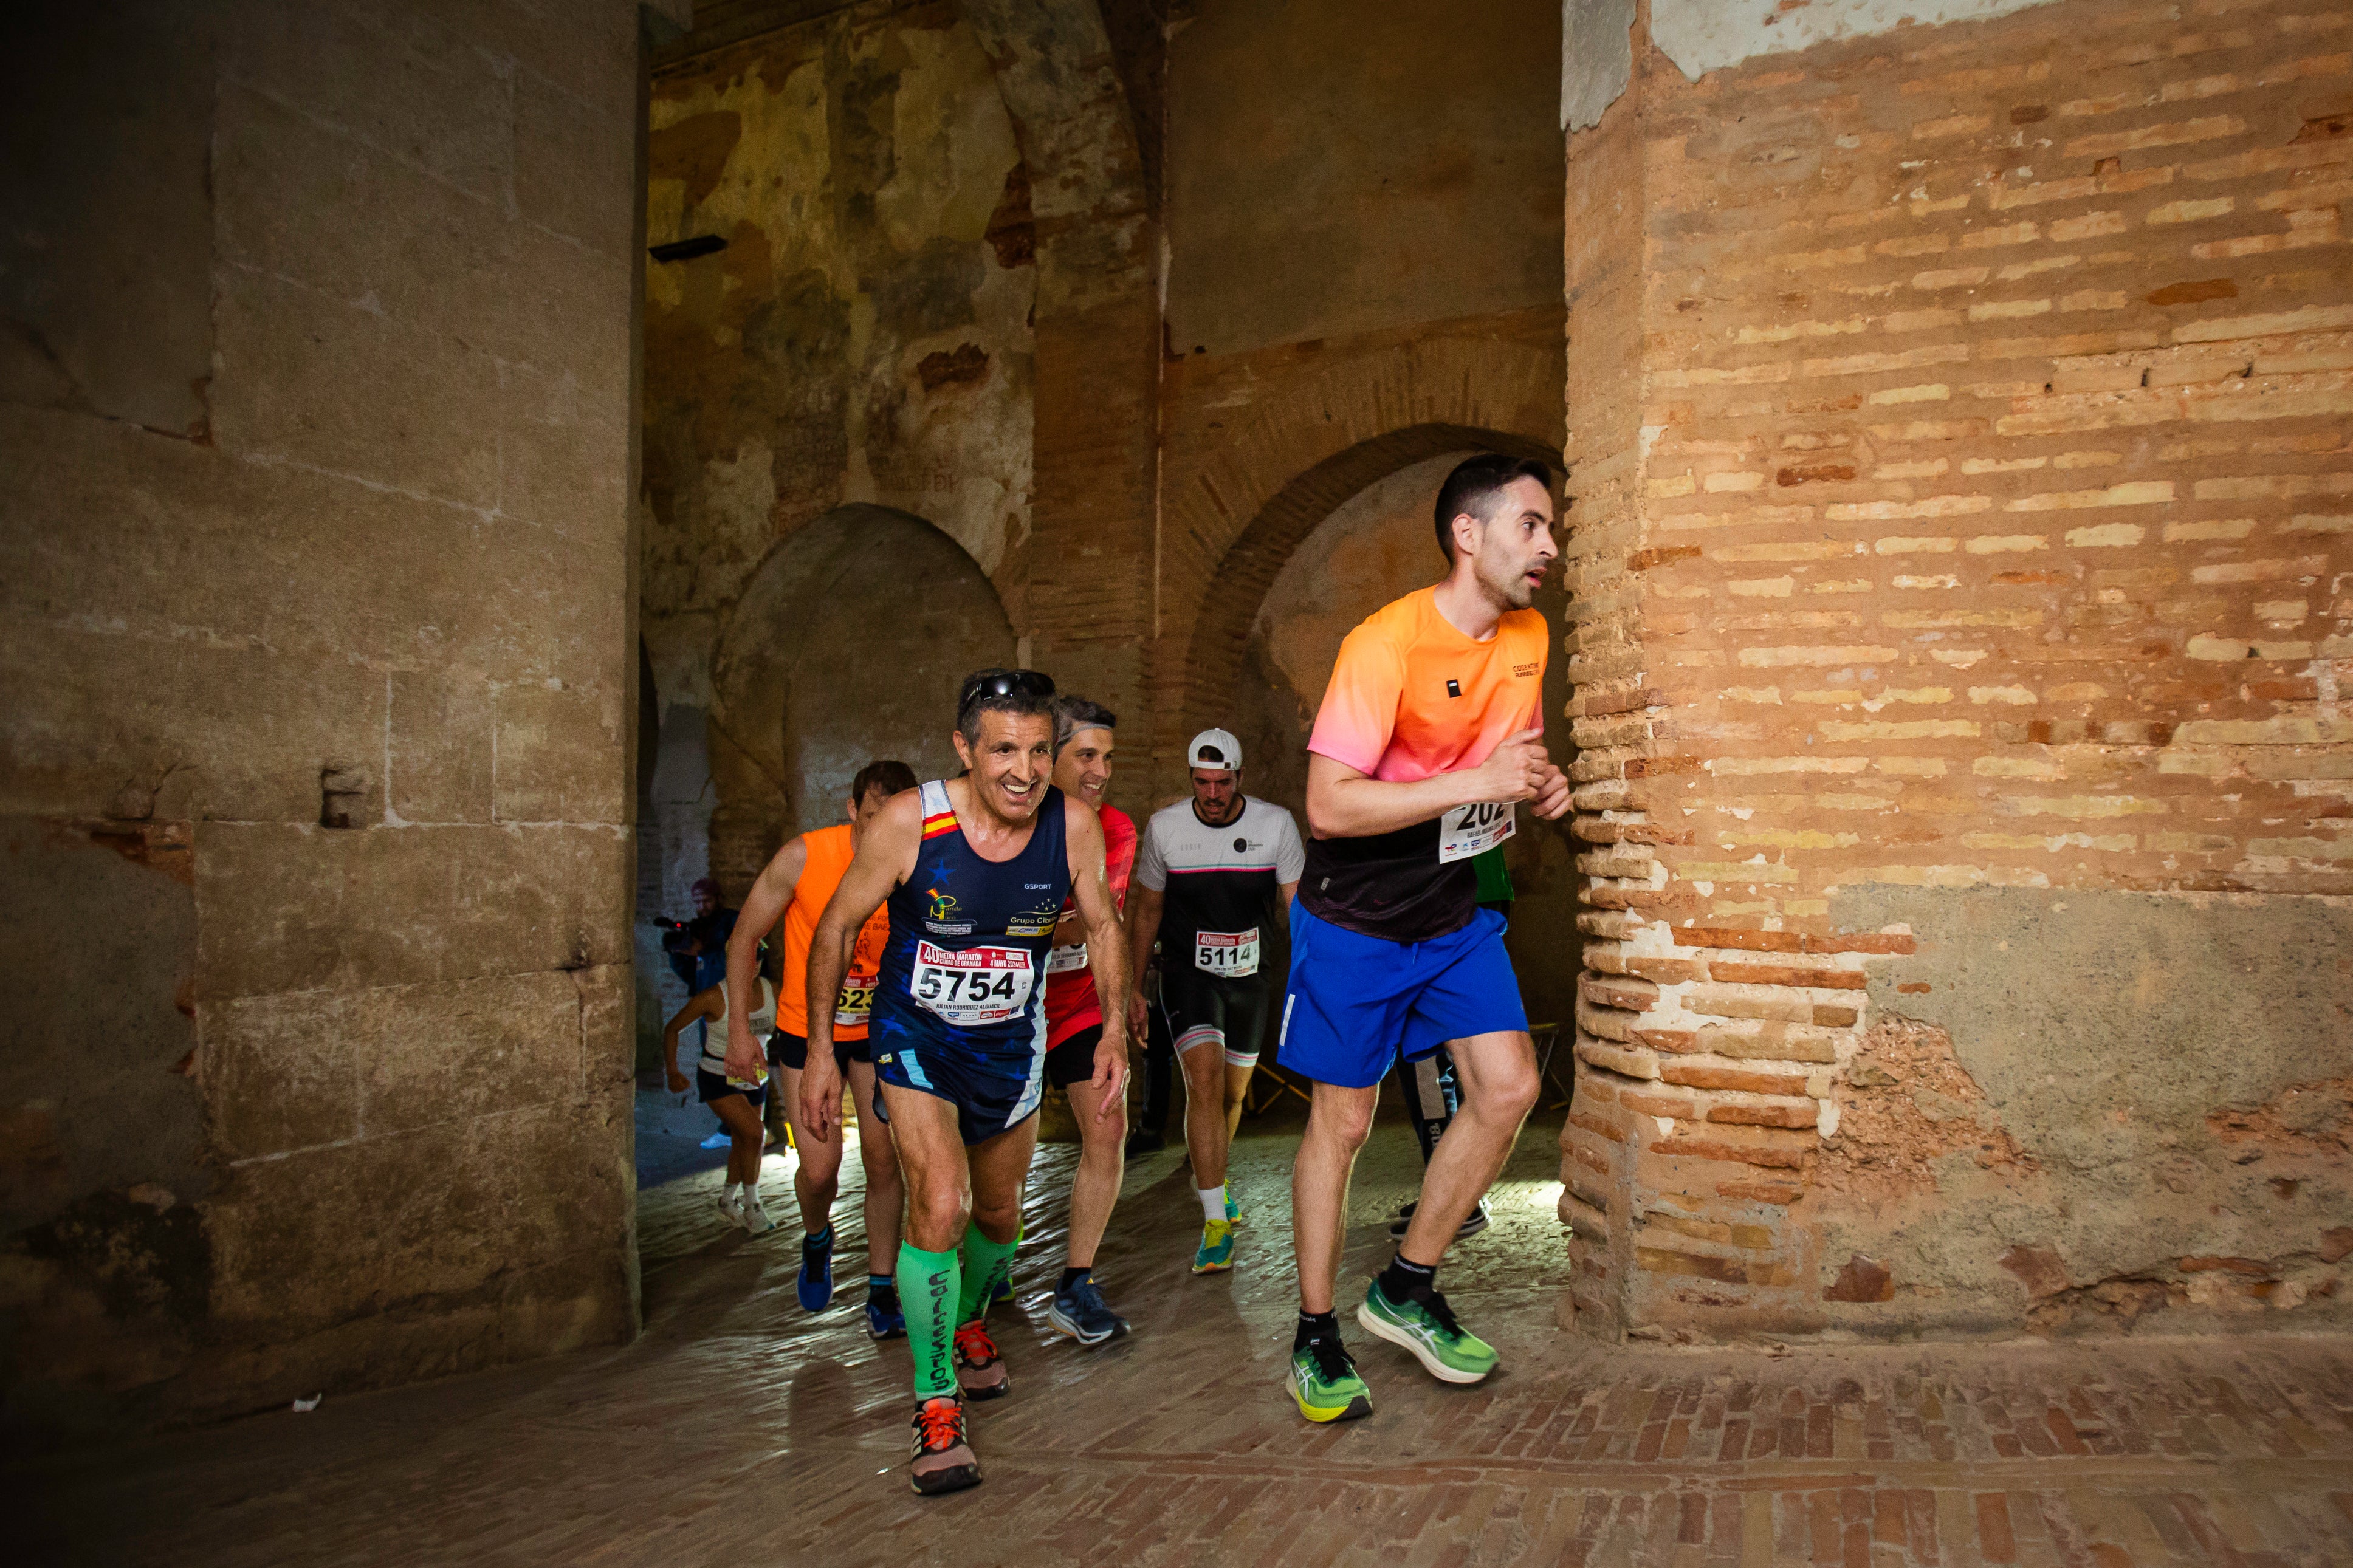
(741, 1429)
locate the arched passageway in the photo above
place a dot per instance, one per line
(846, 647)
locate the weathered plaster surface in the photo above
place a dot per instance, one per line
(862, 338)
(1701, 35)
(1596, 58)
(2165, 1081)
(1338, 166)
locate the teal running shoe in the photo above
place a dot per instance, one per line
(1446, 1351)
(1216, 1249)
(1233, 1210)
(1323, 1382)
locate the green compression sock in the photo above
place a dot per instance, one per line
(985, 1263)
(929, 1285)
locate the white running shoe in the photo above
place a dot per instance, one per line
(755, 1217)
(731, 1204)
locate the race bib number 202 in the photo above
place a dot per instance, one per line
(1474, 829)
(977, 987)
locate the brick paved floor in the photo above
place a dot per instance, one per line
(740, 1431)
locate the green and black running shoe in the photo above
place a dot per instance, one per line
(1450, 1352)
(1323, 1381)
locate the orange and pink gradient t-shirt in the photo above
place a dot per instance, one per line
(1411, 696)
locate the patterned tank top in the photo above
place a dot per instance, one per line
(965, 964)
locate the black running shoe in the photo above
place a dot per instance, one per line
(1477, 1221)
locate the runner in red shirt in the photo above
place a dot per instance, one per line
(1082, 745)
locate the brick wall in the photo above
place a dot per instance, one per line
(1965, 483)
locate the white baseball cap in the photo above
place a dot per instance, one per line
(1214, 749)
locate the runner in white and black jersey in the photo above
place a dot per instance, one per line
(1208, 876)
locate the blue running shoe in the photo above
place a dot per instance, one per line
(1004, 1291)
(885, 1321)
(815, 1286)
(1081, 1312)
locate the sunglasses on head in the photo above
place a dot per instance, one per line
(1003, 683)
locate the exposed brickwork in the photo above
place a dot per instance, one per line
(1257, 449)
(1963, 484)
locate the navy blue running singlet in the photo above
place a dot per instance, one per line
(959, 1007)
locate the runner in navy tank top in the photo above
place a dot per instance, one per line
(966, 969)
(976, 870)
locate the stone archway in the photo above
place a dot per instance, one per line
(847, 644)
(1231, 515)
(1240, 585)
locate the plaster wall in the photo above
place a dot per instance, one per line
(315, 583)
(1335, 166)
(1958, 633)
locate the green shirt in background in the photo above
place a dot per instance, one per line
(1494, 880)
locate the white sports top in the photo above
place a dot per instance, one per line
(763, 1021)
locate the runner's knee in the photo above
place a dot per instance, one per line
(999, 1219)
(1348, 1122)
(1202, 1055)
(1109, 1131)
(938, 1211)
(1508, 1094)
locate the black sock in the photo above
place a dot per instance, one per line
(820, 1237)
(1402, 1279)
(1071, 1277)
(881, 1284)
(1316, 1326)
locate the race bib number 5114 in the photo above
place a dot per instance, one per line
(1228, 954)
(978, 986)
(1474, 829)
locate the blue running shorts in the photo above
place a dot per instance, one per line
(1355, 1001)
(992, 1094)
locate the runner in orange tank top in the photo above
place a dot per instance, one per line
(795, 886)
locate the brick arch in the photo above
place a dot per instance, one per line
(1230, 525)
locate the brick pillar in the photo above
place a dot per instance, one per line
(1088, 612)
(1610, 710)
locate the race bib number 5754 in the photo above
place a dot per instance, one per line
(978, 986)
(1474, 829)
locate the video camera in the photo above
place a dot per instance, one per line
(678, 935)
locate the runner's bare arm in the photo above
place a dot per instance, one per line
(704, 1004)
(1289, 890)
(886, 855)
(1344, 804)
(764, 907)
(1143, 929)
(1106, 953)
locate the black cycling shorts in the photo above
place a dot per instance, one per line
(792, 1051)
(1200, 1009)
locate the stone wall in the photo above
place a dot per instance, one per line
(314, 772)
(1959, 626)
